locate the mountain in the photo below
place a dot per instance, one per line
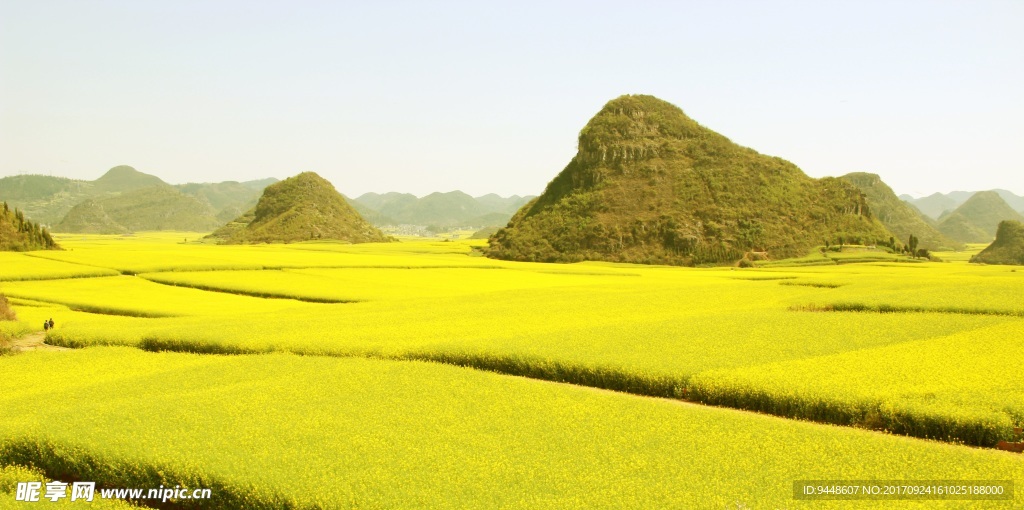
(977, 219)
(937, 205)
(439, 209)
(934, 205)
(49, 199)
(901, 218)
(89, 217)
(44, 198)
(493, 219)
(35, 187)
(18, 233)
(389, 201)
(451, 209)
(959, 197)
(229, 198)
(648, 184)
(1008, 248)
(496, 203)
(1013, 200)
(371, 215)
(259, 184)
(121, 179)
(300, 208)
(160, 207)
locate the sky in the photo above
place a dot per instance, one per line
(489, 97)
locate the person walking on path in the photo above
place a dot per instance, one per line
(46, 325)
(51, 322)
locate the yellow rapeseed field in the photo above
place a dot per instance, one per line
(924, 349)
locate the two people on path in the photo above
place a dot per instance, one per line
(48, 325)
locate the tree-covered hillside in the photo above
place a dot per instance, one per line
(648, 184)
(301, 208)
(901, 218)
(160, 207)
(1008, 248)
(18, 233)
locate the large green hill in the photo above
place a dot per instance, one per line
(301, 208)
(18, 233)
(977, 219)
(160, 207)
(648, 184)
(1008, 248)
(901, 218)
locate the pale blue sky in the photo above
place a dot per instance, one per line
(490, 97)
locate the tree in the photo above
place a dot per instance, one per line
(912, 244)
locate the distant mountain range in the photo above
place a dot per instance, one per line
(161, 207)
(901, 218)
(938, 205)
(48, 200)
(125, 200)
(452, 209)
(977, 219)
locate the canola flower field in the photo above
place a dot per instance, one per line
(922, 349)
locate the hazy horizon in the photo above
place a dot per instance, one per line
(420, 98)
(421, 195)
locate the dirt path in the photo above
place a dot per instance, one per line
(34, 342)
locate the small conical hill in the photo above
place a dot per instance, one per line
(648, 184)
(89, 217)
(898, 216)
(1008, 248)
(300, 208)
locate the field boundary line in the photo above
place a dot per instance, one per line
(865, 308)
(262, 295)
